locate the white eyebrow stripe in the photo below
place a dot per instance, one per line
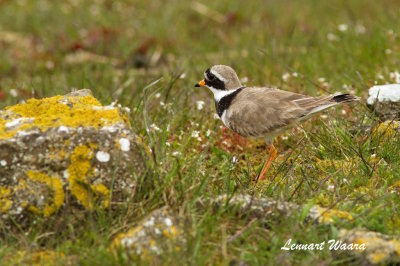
(218, 75)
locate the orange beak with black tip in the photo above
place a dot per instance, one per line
(201, 83)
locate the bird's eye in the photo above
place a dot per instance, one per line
(211, 77)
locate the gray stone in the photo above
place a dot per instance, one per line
(385, 101)
(66, 149)
(161, 231)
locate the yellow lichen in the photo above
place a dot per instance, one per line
(118, 239)
(171, 232)
(378, 257)
(327, 216)
(55, 185)
(60, 111)
(102, 192)
(80, 171)
(5, 201)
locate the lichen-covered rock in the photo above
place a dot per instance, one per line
(385, 101)
(160, 232)
(267, 207)
(65, 148)
(379, 248)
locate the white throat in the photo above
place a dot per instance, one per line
(219, 94)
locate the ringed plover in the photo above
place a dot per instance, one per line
(262, 111)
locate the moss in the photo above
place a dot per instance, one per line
(395, 187)
(80, 171)
(37, 258)
(346, 166)
(55, 185)
(5, 201)
(386, 130)
(60, 111)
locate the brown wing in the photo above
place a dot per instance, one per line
(259, 111)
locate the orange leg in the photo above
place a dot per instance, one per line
(272, 155)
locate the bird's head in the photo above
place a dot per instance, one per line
(220, 80)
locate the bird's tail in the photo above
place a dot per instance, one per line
(328, 101)
(344, 98)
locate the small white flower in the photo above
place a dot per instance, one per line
(13, 93)
(343, 27)
(154, 127)
(295, 74)
(176, 153)
(49, 64)
(235, 160)
(167, 144)
(149, 223)
(200, 105)
(360, 29)
(158, 95)
(168, 222)
(332, 37)
(286, 76)
(19, 210)
(182, 76)
(321, 79)
(395, 76)
(195, 134)
(208, 133)
(388, 51)
(331, 187)
(3, 162)
(155, 249)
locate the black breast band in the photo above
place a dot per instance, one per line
(226, 101)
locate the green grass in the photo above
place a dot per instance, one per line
(262, 40)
